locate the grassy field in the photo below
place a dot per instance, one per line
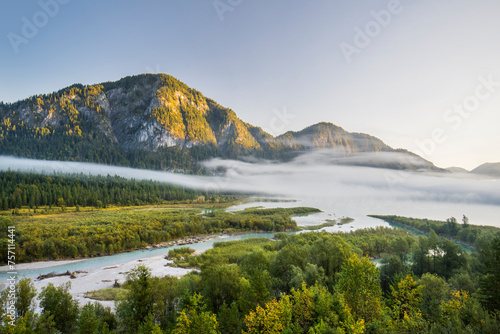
(46, 211)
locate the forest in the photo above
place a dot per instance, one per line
(418, 278)
(38, 191)
(303, 283)
(25, 142)
(76, 137)
(463, 233)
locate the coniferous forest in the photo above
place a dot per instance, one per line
(64, 216)
(38, 191)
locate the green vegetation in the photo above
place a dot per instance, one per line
(108, 294)
(301, 283)
(101, 232)
(378, 241)
(301, 210)
(43, 192)
(107, 123)
(317, 227)
(464, 233)
(180, 253)
(345, 220)
(67, 125)
(329, 223)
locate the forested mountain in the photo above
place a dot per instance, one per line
(157, 121)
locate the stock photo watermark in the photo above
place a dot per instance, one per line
(223, 6)
(11, 281)
(156, 70)
(31, 26)
(455, 115)
(279, 121)
(372, 29)
(453, 118)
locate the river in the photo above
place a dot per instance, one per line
(33, 270)
(339, 191)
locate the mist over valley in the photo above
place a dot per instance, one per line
(314, 180)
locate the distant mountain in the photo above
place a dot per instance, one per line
(490, 169)
(157, 121)
(327, 135)
(457, 170)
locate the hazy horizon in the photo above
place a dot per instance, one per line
(314, 181)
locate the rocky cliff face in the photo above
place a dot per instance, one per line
(146, 111)
(153, 111)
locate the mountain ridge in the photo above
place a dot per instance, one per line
(160, 122)
(489, 168)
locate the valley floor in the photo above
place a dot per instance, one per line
(104, 277)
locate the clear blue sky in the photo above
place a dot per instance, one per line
(265, 57)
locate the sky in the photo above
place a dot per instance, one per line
(419, 74)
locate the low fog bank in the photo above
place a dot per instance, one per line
(316, 174)
(357, 191)
(345, 190)
(335, 157)
(49, 167)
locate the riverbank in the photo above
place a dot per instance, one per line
(39, 265)
(463, 234)
(80, 235)
(179, 242)
(101, 273)
(105, 277)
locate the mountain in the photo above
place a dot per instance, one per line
(489, 169)
(457, 170)
(157, 121)
(327, 135)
